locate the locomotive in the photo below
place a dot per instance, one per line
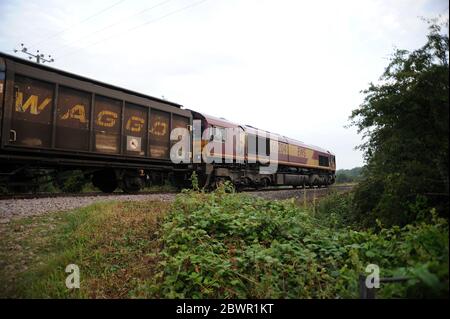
(52, 120)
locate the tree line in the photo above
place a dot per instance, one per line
(404, 120)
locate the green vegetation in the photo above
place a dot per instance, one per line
(74, 181)
(166, 187)
(346, 176)
(47, 181)
(228, 245)
(219, 245)
(112, 243)
(405, 120)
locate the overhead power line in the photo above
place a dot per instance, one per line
(116, 23)
(136, 27)
(54, 35)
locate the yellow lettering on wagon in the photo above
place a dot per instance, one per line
(77, 112)
(106, 118)
(159, 128)
(31, 103)
(135, 124)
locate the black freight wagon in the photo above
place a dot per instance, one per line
(54, 119)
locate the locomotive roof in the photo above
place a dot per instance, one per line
(313, 147)
(82, 78)
(218, 121)
(253, 130)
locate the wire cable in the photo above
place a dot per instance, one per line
(76, 24)
(116, 23)
(136, 27)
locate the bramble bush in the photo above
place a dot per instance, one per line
(229, 245)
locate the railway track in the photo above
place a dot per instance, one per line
(305, 195)
(60, 195)
(26, 205)
(313, 189)
(290, 190)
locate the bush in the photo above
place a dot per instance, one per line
(222, 245)
(73, 182)
(404, 120)
(337, 211)
(349, 175)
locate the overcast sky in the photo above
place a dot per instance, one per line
(290, 67)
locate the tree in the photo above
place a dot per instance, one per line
(404, 120)
(349, 175)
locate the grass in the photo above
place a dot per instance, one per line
(112, 243)
(346, 184)
(217, 245)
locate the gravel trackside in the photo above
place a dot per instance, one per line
(19, 208)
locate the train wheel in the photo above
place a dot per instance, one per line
(132, 184)
(180, 181)
(263, 183)
(105, 181)
(106, 187)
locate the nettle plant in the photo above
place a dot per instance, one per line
(231, 245)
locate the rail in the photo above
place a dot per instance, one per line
(316, 192)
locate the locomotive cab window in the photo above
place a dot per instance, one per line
(219, 134)
(251, 145)
(263, 146)
(323, 161)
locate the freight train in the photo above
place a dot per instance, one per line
(52, 120)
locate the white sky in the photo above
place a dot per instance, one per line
(290, 67)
